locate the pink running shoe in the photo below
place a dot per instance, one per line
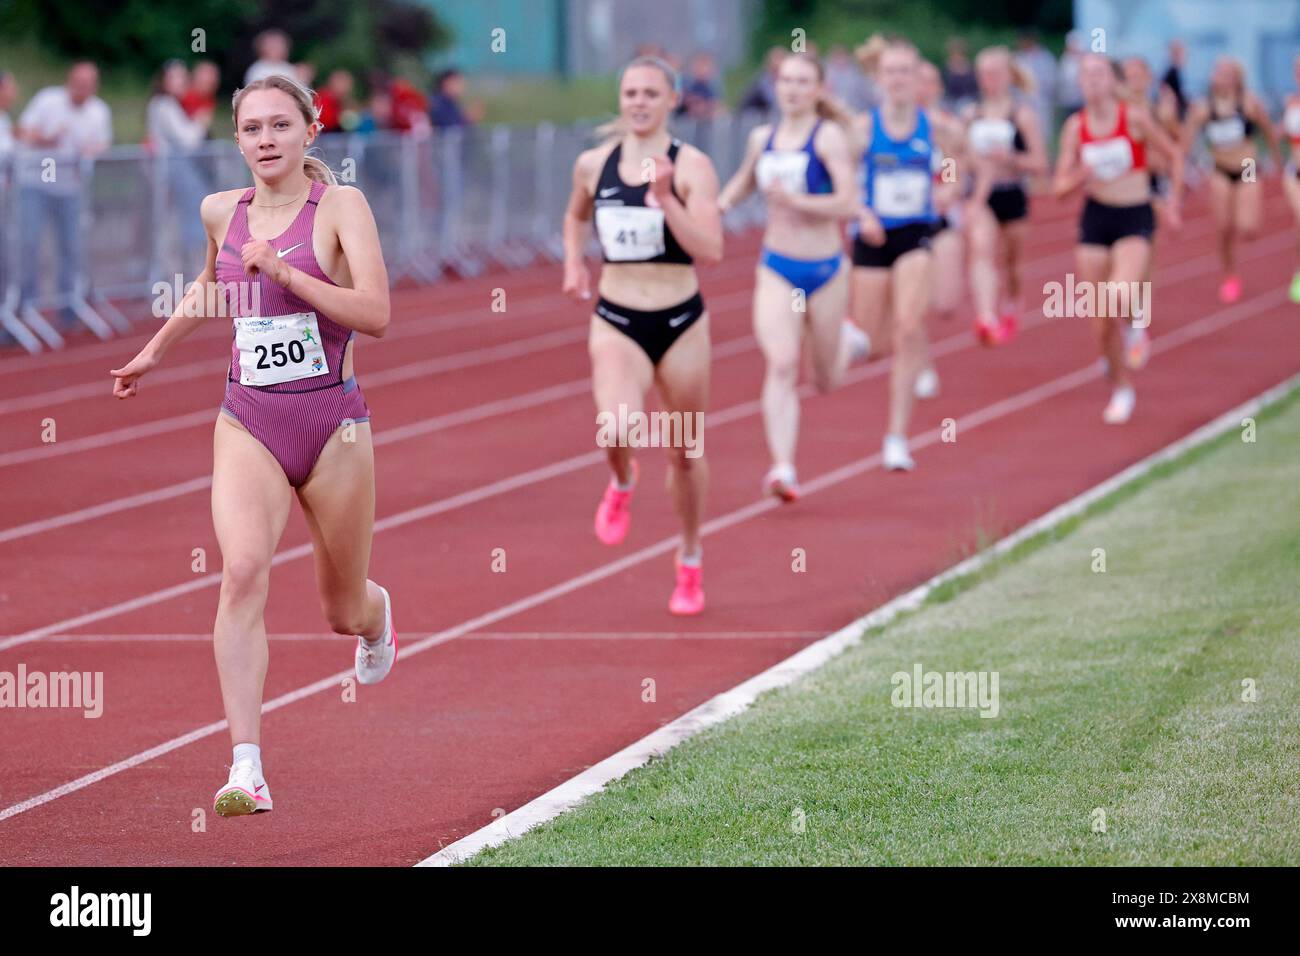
(1008, 327)
(613, 516)
(688, 596)
(1230, 290)
(987, 331)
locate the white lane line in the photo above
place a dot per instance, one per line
(426, 426)
(472, 358)
(989, 413)
(740, 345)
(723, 706)
(958, 342)
(319, 636)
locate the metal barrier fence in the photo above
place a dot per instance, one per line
(461, 201)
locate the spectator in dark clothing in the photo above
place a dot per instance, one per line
(446, 110)
(761, 94)
(958, 72)
(1173, 77)
(700, 91)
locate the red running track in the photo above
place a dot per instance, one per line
(512, 682)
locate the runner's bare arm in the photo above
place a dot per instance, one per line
(697, 223)
(1151, 132)
(743, 182)
(1197, 115)
(190, 313)
(577, 225)
(1070, 172)
(1033, 161)
(1257, 112)
(365, 305)
(950, 136)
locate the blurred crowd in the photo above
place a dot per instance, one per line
(65, 126)
(47, 152)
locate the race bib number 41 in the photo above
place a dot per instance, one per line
(280, 348)
(630, 233)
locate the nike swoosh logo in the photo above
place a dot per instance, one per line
(679, 319)
(608, 192)
(257, 790)
(284, 252)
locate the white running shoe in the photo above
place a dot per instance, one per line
(1120, 407)
(782, 483)
(894, 454)
(244, 793)
(374, 661)
(927, 384)
(1137, 347)
(859, 341)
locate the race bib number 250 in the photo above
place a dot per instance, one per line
(281, 348)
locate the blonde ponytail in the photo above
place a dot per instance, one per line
(1021, 78)
(318, 171)
(868, 53)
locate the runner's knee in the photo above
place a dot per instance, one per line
(244, 578)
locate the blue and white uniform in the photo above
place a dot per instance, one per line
(898, 186)
(799, 171)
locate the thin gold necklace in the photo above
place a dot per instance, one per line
(277, 205)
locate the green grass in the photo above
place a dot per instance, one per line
(1120, 691)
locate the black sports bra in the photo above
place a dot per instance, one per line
(629, 230)
(1231, 129)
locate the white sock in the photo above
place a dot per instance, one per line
(692, 560)
(859, 341)
(383, 636)
(624, 487)
(251, 752)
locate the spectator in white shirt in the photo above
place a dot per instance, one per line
(8, 93)
(272, 47)
(61, 131)
(176, 138)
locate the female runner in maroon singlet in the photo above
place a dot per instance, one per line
(293, 420)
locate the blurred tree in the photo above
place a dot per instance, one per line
(137, 36)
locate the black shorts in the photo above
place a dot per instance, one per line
(1159, 185)
(1232, 175)
(1102, 225)
(940, 225)
(898, 242)
(654, 331)
(1009, 203)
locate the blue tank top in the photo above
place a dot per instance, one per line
(800, 171)
(898, 175)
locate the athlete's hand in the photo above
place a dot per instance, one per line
(869, 227)
(577, 280)
(126, 377)
(775, 195)
(661, 178)
(259, 255)
(1173, 215)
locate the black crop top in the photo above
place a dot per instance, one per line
(629, 230)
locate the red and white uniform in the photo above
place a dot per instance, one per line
(1111, 156)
